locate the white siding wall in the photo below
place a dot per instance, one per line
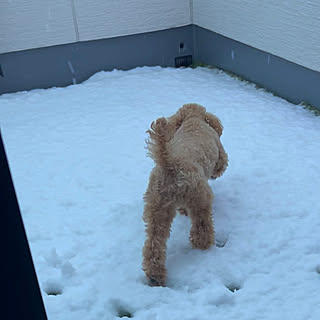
(123, 17)
(27, 24)
(286, 28)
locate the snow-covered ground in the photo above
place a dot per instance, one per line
(80, 169)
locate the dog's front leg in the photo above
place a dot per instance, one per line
(158, 218)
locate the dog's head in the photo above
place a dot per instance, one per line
(196, 110)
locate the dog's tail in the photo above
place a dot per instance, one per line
(157, 143)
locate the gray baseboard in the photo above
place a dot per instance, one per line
(73, 63)
(293, 82)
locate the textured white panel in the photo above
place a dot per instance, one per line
(27, 24)
(111, 18)
(286, 28)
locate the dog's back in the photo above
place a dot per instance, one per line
(185, 140)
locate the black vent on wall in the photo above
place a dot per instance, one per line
(183, 61)
(1, 73)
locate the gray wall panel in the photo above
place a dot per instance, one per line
(289, 29)
(289, 80)
(73, 63)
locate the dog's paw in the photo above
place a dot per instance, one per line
(201, 240)
(156, 282)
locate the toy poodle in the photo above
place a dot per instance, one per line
(187, 151)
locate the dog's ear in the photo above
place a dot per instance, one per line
(174, 123)
(214, 122)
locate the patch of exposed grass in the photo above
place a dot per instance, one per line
(202, 65)
(311, 108)
(307, 106)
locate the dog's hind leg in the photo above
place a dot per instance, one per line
(158, 217)
(200, 211)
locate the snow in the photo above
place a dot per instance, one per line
(80, 169)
